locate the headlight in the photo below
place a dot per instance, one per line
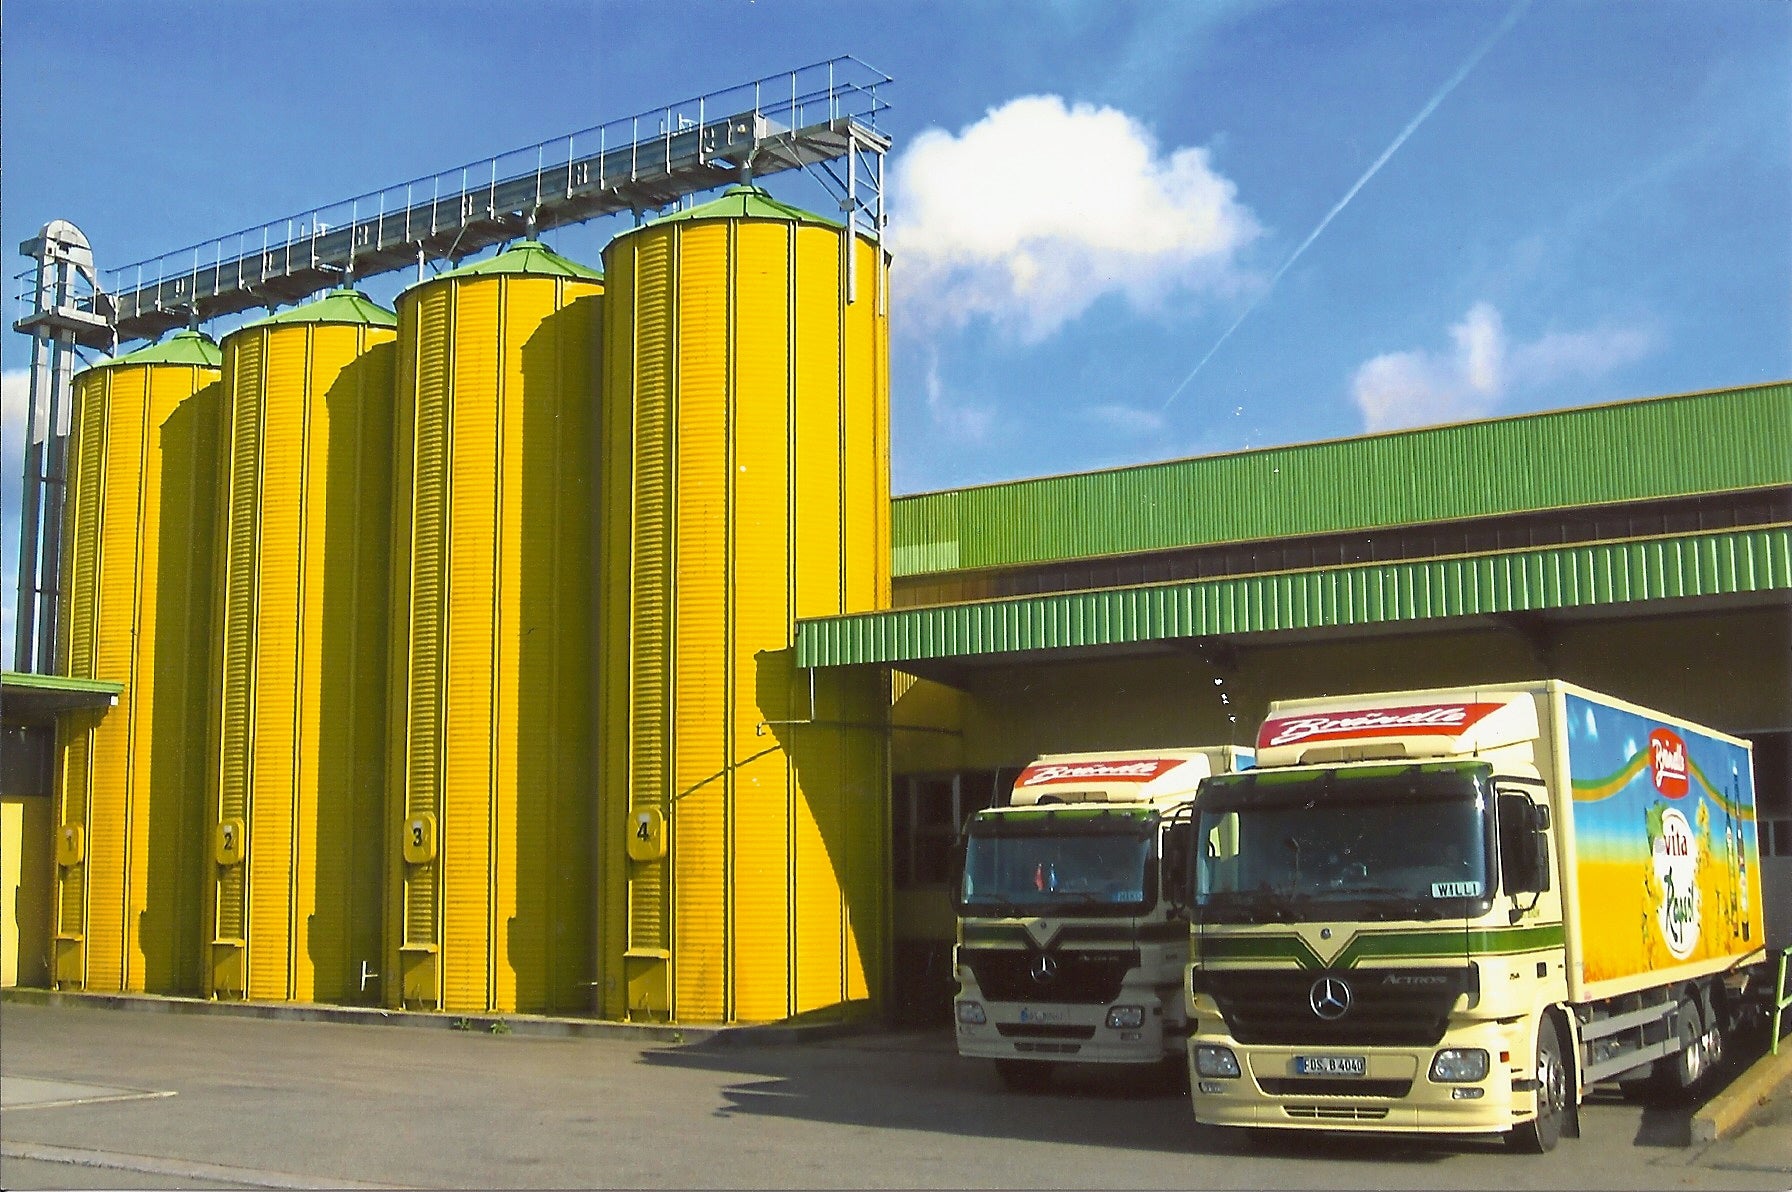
(1215, 1061)
(972, 1013)
(1454, 1064)
(1126, 1018)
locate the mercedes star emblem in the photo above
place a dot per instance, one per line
(1045, 969)
(1330, 998)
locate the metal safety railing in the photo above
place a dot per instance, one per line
(642, 162)
(1782, 1001)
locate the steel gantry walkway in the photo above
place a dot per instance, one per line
(820, 118)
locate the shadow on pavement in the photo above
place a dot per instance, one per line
(915, 1080)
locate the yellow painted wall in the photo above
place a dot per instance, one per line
(491, 642)
(27, 844)
(746, 484)
(136, 609)
(300, 710)
(927, 725)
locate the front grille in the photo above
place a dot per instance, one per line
(1077, 978)
(1272, 1006)
(1050, 1048)
(1325, 1086)
(1337, 1113)
(1030, 1030)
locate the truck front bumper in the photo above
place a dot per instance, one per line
(1395, 1091)
(1069, 1033)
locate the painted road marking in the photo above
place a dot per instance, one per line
(23, 1092)
(242, 1177)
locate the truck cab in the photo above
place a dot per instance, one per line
(1069, 947)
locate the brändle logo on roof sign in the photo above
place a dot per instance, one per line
(1424, 720)
(1143, 770)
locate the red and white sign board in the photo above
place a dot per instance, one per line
(1141, 770)
(1323, 726)
(1667, 763)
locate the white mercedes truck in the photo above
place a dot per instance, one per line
(1068, 950)
(1455, 910)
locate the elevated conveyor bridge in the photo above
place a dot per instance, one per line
(822, 115)
(820, 118)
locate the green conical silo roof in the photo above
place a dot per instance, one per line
(530, 257)
(338, 306)
(747, 202)
(183, 347)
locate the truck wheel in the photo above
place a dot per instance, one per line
(1541, 1133)
(1024, 1076)
(1678, 1077)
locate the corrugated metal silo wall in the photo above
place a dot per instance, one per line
(746, 483)
(300, 714)
(491, 642)
(1705, 442)
(136, 608)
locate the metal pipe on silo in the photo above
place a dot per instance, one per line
(746, 484)
(488, 890)
(295, 802)
(136, 607)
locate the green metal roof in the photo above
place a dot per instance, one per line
(1624, 451)
(746, 202)
(338, 306)
(530, 257)
(39, 699)
(183, 347)
(10, 680)
(1740, 561)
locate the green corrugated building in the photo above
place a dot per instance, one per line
(1642, 548)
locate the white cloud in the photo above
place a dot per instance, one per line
(1127, 419)
(960, 421)
(1034, 212)
(1482, 369)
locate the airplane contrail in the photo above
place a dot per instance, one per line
(1443, 93)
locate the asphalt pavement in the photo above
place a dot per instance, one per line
(111, 1093)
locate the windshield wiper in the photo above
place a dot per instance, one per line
(1416, 906)
(1275, 906)
(996, 902)
(1084, 897)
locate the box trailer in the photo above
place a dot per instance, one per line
(1455, 910)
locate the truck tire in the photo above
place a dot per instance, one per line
(1025, 1076)
(1678, 1078)
(1541, 1133)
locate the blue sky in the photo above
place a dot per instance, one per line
(1588, 201)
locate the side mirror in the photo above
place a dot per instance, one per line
(1540, 857)
(955, 871)
(1178, 846)
(1524, 849)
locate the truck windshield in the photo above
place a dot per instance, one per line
(1378, 842)
(1059, 864)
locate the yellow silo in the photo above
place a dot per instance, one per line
(136, 609)
(297, 806)
(491, 720)
(745, 484)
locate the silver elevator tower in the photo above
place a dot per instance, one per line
(65, 308)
